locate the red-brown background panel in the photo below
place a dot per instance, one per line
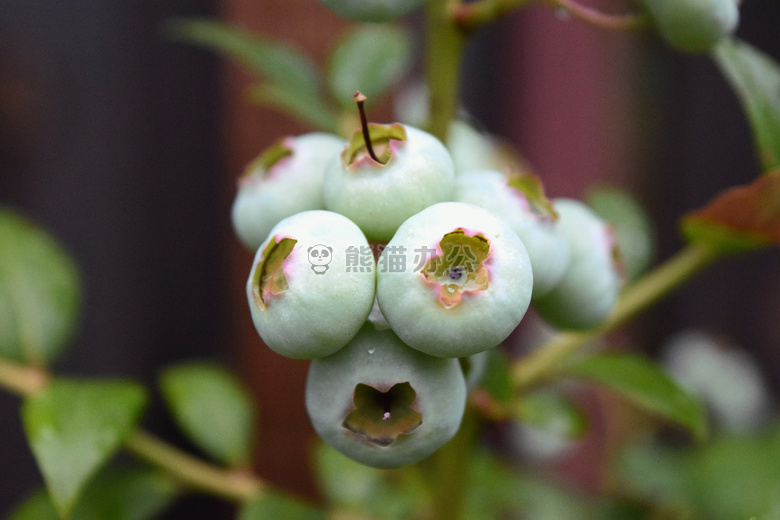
(285, 435)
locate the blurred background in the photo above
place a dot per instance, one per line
(126, 147)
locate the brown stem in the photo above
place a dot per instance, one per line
(627, 22)
(472, 16)
(468, 17)
(360, 99)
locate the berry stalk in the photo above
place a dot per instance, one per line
(360, 99)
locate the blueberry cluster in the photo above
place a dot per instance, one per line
(386, 265)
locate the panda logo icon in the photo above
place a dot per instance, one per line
(319, 258)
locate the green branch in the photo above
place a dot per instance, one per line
(444, 50)
(20, 379)
(451, 470)
(235, 485)
(470, 17)
(626, 22)
(544, 362)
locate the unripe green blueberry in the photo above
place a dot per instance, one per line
(634, 233)
(376, 11)
(722, 375)
(505, 196)
(693, 25)
(472, 150)
(306, 300)
(454, 280)
(412, 103)
(414, 171)
(284, 180)
(586, 294)
(382, 403)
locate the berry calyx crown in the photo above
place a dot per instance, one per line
(269, 158)
(384, 140)
(268, 279)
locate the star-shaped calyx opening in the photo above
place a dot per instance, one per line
(382, 417)
(460, 268)
(268, 278)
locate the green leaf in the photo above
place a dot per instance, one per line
(733, 476)
(370, 59)
(643, 383)
(739, 219)
(275, 506)
(650, 470)
(115, 493)
(311, 111)
(351, 486)
(291, 83)
(756, 79)
(345, 482)
(495, 491)
(213, 408)
(552, 412)
(266, 58)
(37, 507)
(74, 427)
(634, 233)
(39, 292)
(737, 477)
